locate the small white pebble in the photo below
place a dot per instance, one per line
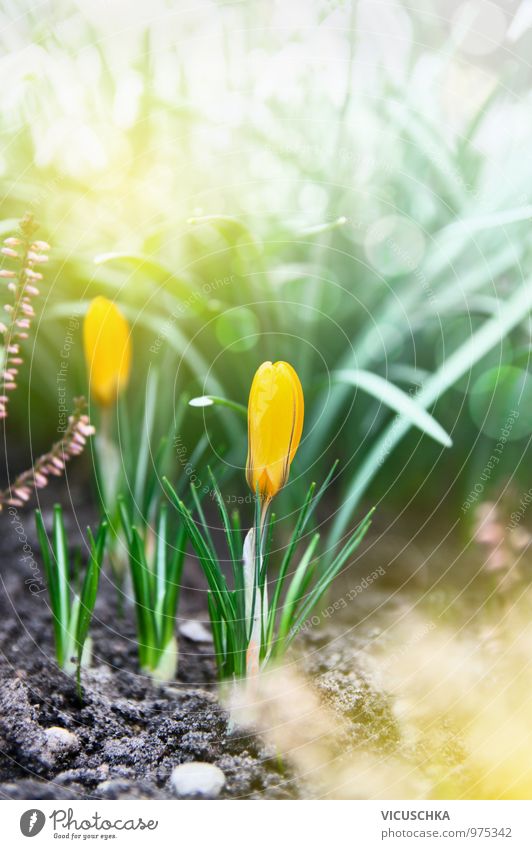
(197, 779)
(194, 630)
(59, 740)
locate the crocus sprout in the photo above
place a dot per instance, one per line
(248, 630)
(107, 343)
(71, 600)
(275, 424)
(107, 346)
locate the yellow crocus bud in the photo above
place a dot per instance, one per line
(275, 423)
(107, 343)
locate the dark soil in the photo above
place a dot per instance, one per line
(130, 732)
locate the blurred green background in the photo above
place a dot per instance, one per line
(344, 185)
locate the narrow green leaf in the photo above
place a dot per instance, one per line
(396, 399)
(455, 366)
(294, 591)
(53, 587)
(325, 580)
(60, 548)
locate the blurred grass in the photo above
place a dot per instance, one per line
(342, 185)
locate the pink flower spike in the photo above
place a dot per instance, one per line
(33, 257)
(23, 493)
(86, 429)
(33, 275)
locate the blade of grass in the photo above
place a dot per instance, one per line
(396, 399)
(467, 355)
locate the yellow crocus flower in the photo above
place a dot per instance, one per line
(275, 423)
(107, 343)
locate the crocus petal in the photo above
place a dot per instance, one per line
(107, 344)
(275, 424)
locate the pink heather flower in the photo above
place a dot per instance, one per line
(33, 257)
(23, 493)
(85, 428)
(33, 275)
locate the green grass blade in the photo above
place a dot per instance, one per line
(89, 588)
(173, 584)
(512, 313)
(396, 399)
(146, 436)
(53, 588)
(60, 548)
(294, 592)
(325, 580)
(211, 568)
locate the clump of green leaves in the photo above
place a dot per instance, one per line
(156, 581)
(294, 591)
(72, 600)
